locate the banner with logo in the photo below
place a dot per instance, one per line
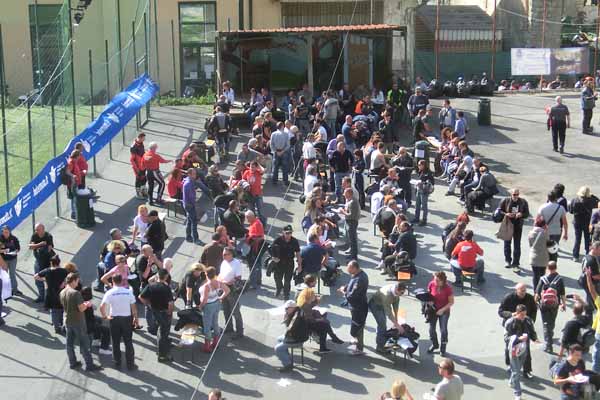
(563, 61)
(121, 109)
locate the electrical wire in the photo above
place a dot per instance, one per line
(516, 14)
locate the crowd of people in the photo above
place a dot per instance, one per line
(349, 149)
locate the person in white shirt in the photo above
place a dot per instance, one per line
(228, 92)
(230, 274)
(451, 387)
(310, 179)
(118, 306)
(309, 153)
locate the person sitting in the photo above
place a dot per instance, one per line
(296, 332)
(485, 189)
(386, 218)
(314, 256)
(175, 185)
(456, 236)
(464, 258)
(317, 322)
(215, 182)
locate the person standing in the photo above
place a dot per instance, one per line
(384, 306)
(212, 293)
(332, 109)
(154, 234)
(74, 308)
(54, 277)
(151, 162)
(443, 300)
(417, 102)
(517, 211)
(538, 249)
(550, 295)
(507, 309)
(559, 115)
(159, 297)
(136, 160)
(231, 275)
(280, 148)
(284, 249)
(593, 294)
(556, 218)
(341, 165)
(447, 116)
(404, 165)
(424, 189)
(253, 176)
(9, 249)
(190, 184)
(355, 293)
(582, 207)
(451, 387)
(42, 245)
(518, 332)
(122, 317)
(588, 102)
(592, 262)
(352, 212)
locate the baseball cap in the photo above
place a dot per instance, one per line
(288, 228)
(113, 231)
(289, 304)
(153, 213)
(244, 184)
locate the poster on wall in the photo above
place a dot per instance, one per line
(562, 61)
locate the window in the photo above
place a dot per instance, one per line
(197, 31)
(331, 13)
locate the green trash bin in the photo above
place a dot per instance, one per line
(86, 217)
(484, 115)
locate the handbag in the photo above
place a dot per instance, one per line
(506, 228)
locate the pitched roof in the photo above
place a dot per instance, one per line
(334, 28)
(456, 17)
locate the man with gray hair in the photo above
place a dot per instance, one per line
(560, 121)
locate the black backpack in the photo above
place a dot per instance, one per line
(65, 179)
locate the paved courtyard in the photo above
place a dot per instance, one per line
(517, 147)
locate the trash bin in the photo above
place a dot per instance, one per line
(84, 202)
(421, 152)
(484, 115)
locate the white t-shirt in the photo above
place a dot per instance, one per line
(120, 300)
(309, 184)
(141, 226)
(546, 211)
(230, 270)
(449, 389)
(322, 135)
(308, 151)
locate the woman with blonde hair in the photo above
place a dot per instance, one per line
(189, 289)
(582, 207)
(398, 392)
(140, 224)
(211, 295)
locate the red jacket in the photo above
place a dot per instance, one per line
(136, 157)
(73, 168)
(152, 160)
(466, 252)
(82, 164)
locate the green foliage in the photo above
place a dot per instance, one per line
(203, 100)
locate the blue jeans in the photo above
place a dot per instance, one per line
(443, 319)
(421, 202)
(57, 317)
(381, 319)
(479, 268)
(218, 215)
(257, 205)
(191, 222)
(331, 123)
(596, 355)
(77, 333)
(338, 176)
(281, 351)
(40, 285)
(516, 368)
(12, 272)
(210, 318)
(281, 162)
(152, 327)
(255, 265)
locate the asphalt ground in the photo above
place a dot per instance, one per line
(518, 149)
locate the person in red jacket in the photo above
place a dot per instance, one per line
(72, 170)
(255, 238)
(152, 161)
(175, 185)
(464, 258)
(81, 163)
(136, 161)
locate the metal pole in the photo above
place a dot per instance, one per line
(38, 74)
(156, 44)
(92, 101)
(2, 101)
(371, 19)
(110, 153)
(30, 154)
(597, 35)
(52, 116)
(135, 68)
(241, 15)
(146, 61)
(543, 38)
(173, 50)
(120, 56)
(493, 69)
(436, 40)
(72, 72)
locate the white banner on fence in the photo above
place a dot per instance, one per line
(570, 60)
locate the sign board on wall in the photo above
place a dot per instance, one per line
(569, 60)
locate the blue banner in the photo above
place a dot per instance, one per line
(121, 109)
